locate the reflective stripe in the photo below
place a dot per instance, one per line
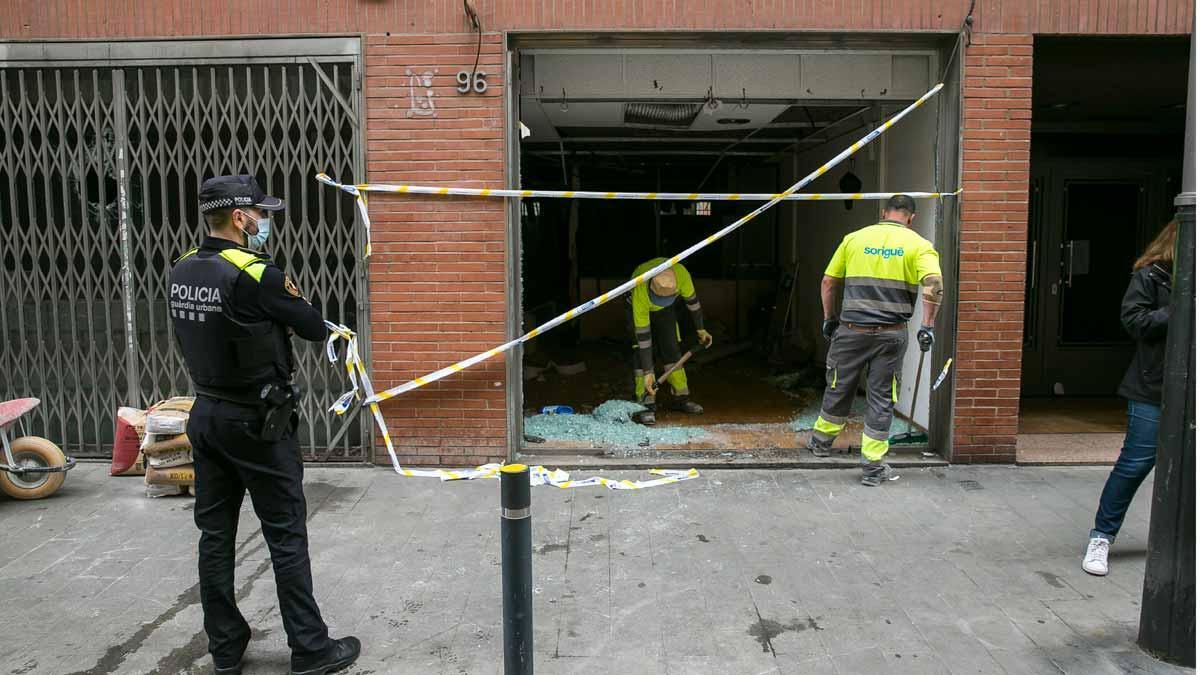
(824, 426)
(883, 283)
(833, 384)
(833, 419)
(875, 434)
(863, 304)
(249, 263)
(894, 398)
(187, 255)
(873, 450)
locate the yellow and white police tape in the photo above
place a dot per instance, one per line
(360, 195)
(538, 475)
(642, 278)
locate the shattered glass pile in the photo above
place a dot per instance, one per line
(609, 425)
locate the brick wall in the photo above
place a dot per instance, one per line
(437, 276)
(438, 268)
(26, 19)
(997, 110)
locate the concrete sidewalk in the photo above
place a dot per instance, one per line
(948, 570)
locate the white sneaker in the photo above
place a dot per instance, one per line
(1095, 561)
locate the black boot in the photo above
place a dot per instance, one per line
(646, 417)
(819, 448)
(343, 653)
(685, 405)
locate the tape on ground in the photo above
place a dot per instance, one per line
(360, 386)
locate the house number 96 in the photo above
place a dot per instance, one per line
(467, 83)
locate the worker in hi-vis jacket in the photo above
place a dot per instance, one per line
(877, 272)
(658, 321)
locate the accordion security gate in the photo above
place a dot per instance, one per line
(99, 172)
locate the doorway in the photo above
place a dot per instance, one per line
(1106, 161)
(722, 119)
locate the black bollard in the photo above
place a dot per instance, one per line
(1168, 626)
(516, 569)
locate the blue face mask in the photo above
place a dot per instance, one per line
(258, 240)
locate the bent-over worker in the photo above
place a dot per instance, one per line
(657, 323)
(877, 272)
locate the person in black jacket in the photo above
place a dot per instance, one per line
(1144, 313)
(233, 312)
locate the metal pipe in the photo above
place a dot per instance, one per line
(516, 569)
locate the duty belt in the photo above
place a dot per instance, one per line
(875, 329)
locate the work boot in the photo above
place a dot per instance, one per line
(875, 473)
(235, 669)
(341, 655)
(818, 447)
(685, 405)
(645, 417)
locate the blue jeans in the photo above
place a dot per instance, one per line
(1132, 467)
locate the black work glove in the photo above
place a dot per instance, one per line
(925, 337)
(828, 328)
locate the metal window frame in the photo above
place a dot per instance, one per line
(929, 42)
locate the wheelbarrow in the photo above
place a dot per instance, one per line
(32, 467)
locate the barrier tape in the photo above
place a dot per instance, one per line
(652, 196)
(945, 371)
(629, 285)
(360, 385)
(360, 195)
(540, 475)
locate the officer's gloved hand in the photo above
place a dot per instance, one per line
(705, 337)
(925, 337)
(828, 328)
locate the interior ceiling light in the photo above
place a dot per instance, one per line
(733, 120)
(663, 114)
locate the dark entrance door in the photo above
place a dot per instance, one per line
(1088, 224)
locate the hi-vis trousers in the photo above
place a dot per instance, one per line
(881, 356)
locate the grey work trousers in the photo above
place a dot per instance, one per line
(851, 353)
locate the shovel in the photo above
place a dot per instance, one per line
(696, 349)
(911, 437)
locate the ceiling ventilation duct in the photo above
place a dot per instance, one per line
(662, 114)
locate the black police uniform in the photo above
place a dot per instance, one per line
(231, 309)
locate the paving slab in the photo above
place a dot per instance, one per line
(949, 570)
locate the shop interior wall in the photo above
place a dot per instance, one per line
(813, 230)
(908, 165)
(901, 160)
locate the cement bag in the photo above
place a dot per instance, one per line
(153, 491)
(127, 457)
(169, 458)
(166, 422)
(184, 475)
(157, 444)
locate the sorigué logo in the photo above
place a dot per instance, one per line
(885, 252)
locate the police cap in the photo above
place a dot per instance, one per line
(230, 192)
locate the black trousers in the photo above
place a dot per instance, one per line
(231, 459)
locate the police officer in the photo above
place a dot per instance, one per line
(877, 272)
(233, 312)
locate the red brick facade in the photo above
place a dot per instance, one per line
(437, 276)
(997, 110)
(438, 268)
